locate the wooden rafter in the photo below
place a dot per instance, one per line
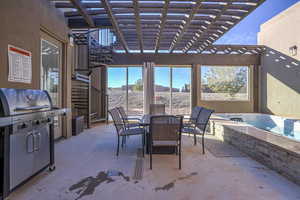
(178, 38)
(162, 25)
(165, 25)
(89, 20)
(138, 24)
(202, 47)
(115, 24)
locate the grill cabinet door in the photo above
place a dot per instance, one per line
(41, 146)
(21, 156)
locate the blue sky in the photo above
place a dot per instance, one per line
(246, 31)
(243, 33)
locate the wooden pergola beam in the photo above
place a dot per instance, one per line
(177, 39)
(115, 25)
(162, 25)
(138, 24)
(81, 9)
(229, 3)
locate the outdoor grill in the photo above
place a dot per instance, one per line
(27, 135)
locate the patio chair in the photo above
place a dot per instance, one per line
(157, 109)
(130, 122)
(165, 130)
(191, 121)
(122, 131)
(200, 126)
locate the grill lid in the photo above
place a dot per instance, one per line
(21, 101)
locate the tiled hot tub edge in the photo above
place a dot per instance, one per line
(285, 162)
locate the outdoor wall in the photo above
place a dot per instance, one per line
(280, 70)
(280, 85)
(21, 24)
(196, 61)
(282, 31)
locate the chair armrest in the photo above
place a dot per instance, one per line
(133, 119)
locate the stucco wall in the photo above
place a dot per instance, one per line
(280, 71)
(21, 23)
(282, 31)
(280, 84)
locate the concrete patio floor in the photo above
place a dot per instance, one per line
(82, 163)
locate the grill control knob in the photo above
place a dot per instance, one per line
(37, 122)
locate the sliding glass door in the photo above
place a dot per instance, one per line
(51, 67)
(172, 88)
(162, 89)
(181, 87)
(125, 88)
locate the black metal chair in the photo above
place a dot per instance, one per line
(157, 109)
(130, 122)
(200, 126)
(191, 120)
(122, 131)
(165, 130)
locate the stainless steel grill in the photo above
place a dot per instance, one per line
(27, 135)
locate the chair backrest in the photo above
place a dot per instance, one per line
(118, 122)
(157, 109)
(165, 127)
(123, 114)
(195, 113)
(203, 118)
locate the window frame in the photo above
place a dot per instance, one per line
(249, 83)
(171, 67)
(126, 67)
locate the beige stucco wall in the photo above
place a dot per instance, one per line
(22, 22)
(280, 71)
(282, 31)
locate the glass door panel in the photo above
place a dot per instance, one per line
(117, 87)
(181, 90)
(135, 91)
(51, 60)
(162, 88)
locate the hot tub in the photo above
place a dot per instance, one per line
(278, 125)
(272, 140)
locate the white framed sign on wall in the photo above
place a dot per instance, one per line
(19, 65)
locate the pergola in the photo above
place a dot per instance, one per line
(163, 26)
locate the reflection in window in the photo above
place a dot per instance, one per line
(224, 83)
(50, 70)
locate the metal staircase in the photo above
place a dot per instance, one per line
(89, 96)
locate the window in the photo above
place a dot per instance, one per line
(135, 91)
(125, 88)
(224, 83)
(51, 65)
(172, 88)
(117, 81)
(162, 86)
(181, 87)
